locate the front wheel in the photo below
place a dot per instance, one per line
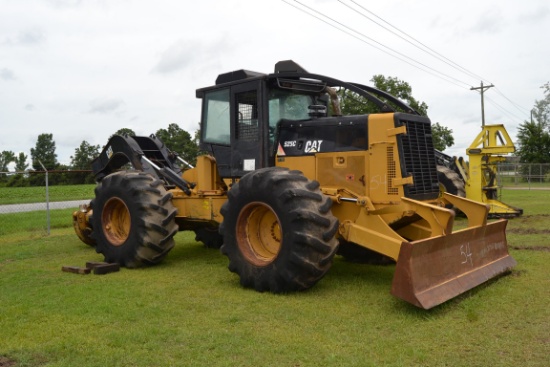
(278, 231)
(133, 219)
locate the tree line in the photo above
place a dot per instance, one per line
(533, 140)
(181, 142)
(43, 155)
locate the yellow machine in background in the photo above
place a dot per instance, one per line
(476, 179)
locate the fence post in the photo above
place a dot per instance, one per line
(47, 199)
(529, 180)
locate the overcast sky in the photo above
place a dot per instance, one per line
(82, 69)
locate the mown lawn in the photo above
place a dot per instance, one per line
(191, 311)
(23, 195)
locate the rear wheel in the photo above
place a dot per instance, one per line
(278, 231)
(133, 219)
(450, 181)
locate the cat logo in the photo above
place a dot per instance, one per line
(313, 146)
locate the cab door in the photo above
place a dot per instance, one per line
(247, 128)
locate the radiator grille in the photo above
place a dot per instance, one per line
(419, 159)
(392, 172)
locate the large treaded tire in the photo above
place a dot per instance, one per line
(450, 181)
(278, 231)
(133, 219)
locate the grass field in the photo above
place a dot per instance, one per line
(23, 195)
(191, 311)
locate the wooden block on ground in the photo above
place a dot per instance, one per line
(106, 268)
(93, 264)
(76, 270)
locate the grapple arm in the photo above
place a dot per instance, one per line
(147, 154)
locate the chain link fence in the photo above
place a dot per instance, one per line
(37, 202)
(524, 175)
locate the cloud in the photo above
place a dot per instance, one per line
(65, 3)
(535, 16)
(29, 107)
(177, 57)
(106, 106)
(28, 37)
(184, 54)
(489, 22)
(31, 37)
(7, 75)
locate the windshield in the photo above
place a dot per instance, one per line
(288, 105)
(284, 104)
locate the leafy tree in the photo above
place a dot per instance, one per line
(401, 90)
(19, 180)
(83, 155)
(541, 111)
(354, 104)
(179, 141)
(197, 137)
(6, 157)
(533, 145)
(21, 162)
(81, 160)
(64, 177)
(442, 136)
(124, 131)
(44, 151)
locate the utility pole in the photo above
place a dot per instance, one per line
(482, 88)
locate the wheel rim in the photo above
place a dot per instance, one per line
(259, 233)
(115, 220)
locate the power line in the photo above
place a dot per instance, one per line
(511, 115)
(426, 49)
(407, 38)
(404, 58)
(518, 107)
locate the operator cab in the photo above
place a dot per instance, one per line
(249, 118)
(241, 115)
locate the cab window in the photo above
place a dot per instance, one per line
(216, 117)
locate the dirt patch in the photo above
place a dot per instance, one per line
(531, 248)
(6, 362)
(528, 231)
(528, 217)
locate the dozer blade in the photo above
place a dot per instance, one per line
(432, 271)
